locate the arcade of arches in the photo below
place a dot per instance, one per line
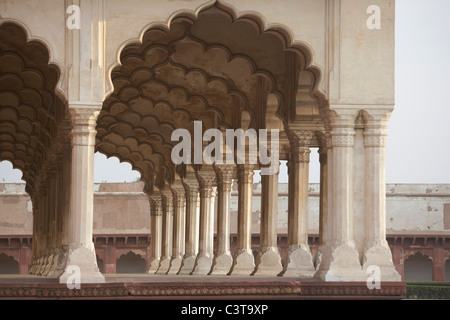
(229, 70)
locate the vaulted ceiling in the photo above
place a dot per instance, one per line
(30, 111)
(214, 68)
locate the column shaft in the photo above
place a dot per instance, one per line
(81, 247)
(268, 262)
(179, 226)
(191, 248)
(244, 262)
(298, 260)
(156, 232)
(340, 260)
(167, 229)
(223, 260)
(207, 180)
(376, 248)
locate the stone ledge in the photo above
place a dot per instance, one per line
(265, 289)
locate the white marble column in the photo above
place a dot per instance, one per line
(81, 248)
(179, 225)
(323, 204)
(298, 260)
(207, 181)
(167, 229)
(376, 248)
(340, 260)
(191, 234)
(244, 262)
(223, 260)
(156, 232)
(268, 262)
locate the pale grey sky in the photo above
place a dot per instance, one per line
(418, 149)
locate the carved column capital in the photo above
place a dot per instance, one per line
(191, 187)
(375, 130)
(225, 174)
(167, 197)
(300, 138)
(84, 119)
(245, 173)
(208, 181)
(179, 194)
(156, 204)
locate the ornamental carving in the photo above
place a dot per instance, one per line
(377, 141)
(300, 138)
(245, 174)
(343, 140)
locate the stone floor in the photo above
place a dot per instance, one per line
(144, 286)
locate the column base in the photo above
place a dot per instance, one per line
(340, 263)
(40, 266)
(61, 262)
(154, 265)
(81, 259)
(187, 265)
(243, 264)
(202, 265)
(164, 266)
(298, 262)
(222, 264)
(268, 262)
(380, 255)
(175, 265)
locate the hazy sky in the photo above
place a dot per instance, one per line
(418, 149)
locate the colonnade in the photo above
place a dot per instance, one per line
(352, 226)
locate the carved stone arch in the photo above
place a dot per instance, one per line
(34, 112)
(304, 51)
(53, 60)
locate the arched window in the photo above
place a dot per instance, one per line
(8, 265)
(418, 267)
(130, 263)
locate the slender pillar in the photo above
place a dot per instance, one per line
(323, 205)
(340, 260)
(191, 247)
(223, 260)
(298, 260)
(156, 231)
(81, 248)
(376, 249)
(179, 225)
(167, 229)
(207, 180)
(244, 262)
(268, 262)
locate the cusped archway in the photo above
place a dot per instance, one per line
(213, 67)
(35, 137)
